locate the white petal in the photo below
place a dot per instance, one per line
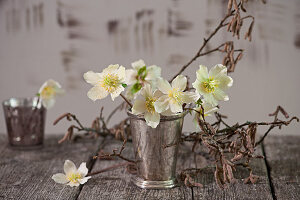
(220, 95)
(179, 82)
(138, 64)
(97, 92)
(197, 86)
(175, 107)
(199, 89)
(83, 170)
(59, 91)
(60, 178)
(43, 86)
(157, 94)
(190, 97)
(84, 180)
(195, 122)
(50, 83)
(117, 92)
(162, 104)
(121, 72)
(217, 70)
(138, 107)
(168, 113)
(152, 119)
(202, 73)
(147, 91)
(92, 77)
(209, 98)
(73, 184)
(69, 167)
(53, 83)
(111, 69)
(131, 76)
(208, 108)
(48, 103)
(164, 86)
(225, 82)
(129, 95)
(153, 72)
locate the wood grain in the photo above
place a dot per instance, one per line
(116, 184)
(27, 174)
(239, 190)
(283, 156)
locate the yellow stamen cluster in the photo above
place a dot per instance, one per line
(176, 96)
(110, 82)
(74, 177)
(48, 92)
(150, 104)
(210, 85)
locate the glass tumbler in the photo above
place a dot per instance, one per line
(25, 122)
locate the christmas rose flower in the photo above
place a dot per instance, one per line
(174, 96)
(110, 81)
(212, 85)
(139, 76)
(47, 93)
(144, 104)
(73, 176)
(208, 110)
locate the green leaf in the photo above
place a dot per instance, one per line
(199, 102)
(136, 87)
(144, 76)
(124, 85)
(38, 94)
(142, 70)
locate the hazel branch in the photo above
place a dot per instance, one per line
(126, 100)
(205, 41)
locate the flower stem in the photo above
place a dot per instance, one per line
(127, 101)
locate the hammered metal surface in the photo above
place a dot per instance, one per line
(155, 162)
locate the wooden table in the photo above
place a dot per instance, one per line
(27, 174)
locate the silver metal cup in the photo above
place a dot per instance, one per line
(25, 122)
(156, 163)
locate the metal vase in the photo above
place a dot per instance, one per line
(25, 122)
(156, 163)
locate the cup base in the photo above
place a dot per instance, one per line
(144, 184)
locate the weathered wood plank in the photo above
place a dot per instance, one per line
(239, 190)
(283, 156)
(27, 174)
(116, 184)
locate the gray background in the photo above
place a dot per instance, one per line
(63, 39)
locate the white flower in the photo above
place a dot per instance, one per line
(108, 82)
(72, 176)
(49, 90)
(212, 85)
(174, 96)
(141, 75)
(208, 110)
(145, 105)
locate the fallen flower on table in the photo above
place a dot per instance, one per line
(73, 176)
(48, 92)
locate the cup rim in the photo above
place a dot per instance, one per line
(162, 117)
(7, 102)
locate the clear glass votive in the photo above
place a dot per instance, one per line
(25, 122)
